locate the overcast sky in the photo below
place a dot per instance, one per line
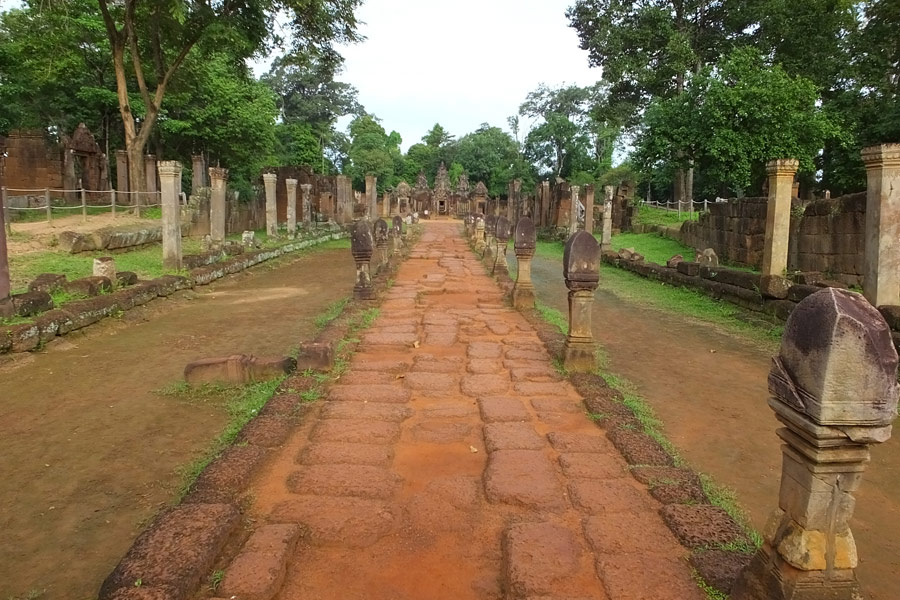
(460, 63)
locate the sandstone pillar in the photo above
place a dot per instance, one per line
(573, 213)
(290, 186)
(344, 199)
(372, 196)
(834, 387)
(217, 210)
(198, 173)
(396, 233)
(606, 236)
(385, 205)
(170, 177)
(306, 188)
(479, 233)
(6, 307)
(362, 245)
(502, 236)
(490, 228)
(270, 180)
(150, 171)
(122, 178)
(778, 222)
(881, 282)
(545, 204)
(524, 245)
(105, 266)
(381, 243)
(581, 269)
(589, 208)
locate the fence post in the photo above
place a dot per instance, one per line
(4, 205)
(49, 206)
(112, 197)
(705, 205)
(83, 205)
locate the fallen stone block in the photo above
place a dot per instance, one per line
(224, 479)
(176, 552)
(169, 284)
(24, 338)
(315, 356)
(5, 340)
(32, 303)
(237, 369)
(689, 268)
(258, 572)
(774, 286)
(88, 286)
(89, 311)
(47, 282)
(73, 243)
(720, 568)
(50, 322)
(702, 525)
(126, 278)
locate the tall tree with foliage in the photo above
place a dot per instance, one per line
(372, 152)
(734, 118)
(491, 155)
(156, 36)
(648, 50)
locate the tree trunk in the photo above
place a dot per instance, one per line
(689, 187)
(678, 191)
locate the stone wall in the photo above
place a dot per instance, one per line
(33, 161)
(827, 236)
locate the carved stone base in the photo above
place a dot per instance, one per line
(363, 293)
(579, 357)
(523, 298)
(770, 578)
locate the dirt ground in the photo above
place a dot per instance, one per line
(90, 452)
(34, 236)
(709, 388)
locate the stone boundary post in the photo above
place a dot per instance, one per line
(589, 208)
(372, 196)
(479, 232)
(270, 181)
(381, 243)
(502, 237)
(581, 269)
(524, 246)
(778, 222)
(490, 230)
(573, 213)
(362, 245)
(306, 189)
(217, 179)
(5, 286)
(834, 387)
(170, 179)
(882, 267)
(290, 186)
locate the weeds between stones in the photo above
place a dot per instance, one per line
(242, 402)
(215, 579)
(331, 313)
(711, 592)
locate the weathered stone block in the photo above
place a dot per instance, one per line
(316, 356)
(47, 282)
(126, 278)
(32, 303)
(691, 269)
(774, 286)
(88, 286)
(237, 369)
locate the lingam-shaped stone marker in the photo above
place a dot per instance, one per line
(834, 387)
(502, 236)
(396, 232)
(479, 232)
(381, 242)
(524, 245)
(362, 245)
(581, 269)
(490, 230)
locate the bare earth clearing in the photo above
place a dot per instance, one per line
(35, 236)
(90, 452)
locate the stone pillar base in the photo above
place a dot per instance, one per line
(770, 578)
(523, 297)
(579, 356)
(363, 293)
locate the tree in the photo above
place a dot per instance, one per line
(157, 36)
(648, 50)
(559, 137)
(371, 152)
(489, 154)
(733, 119)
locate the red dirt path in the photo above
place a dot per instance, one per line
(461, 467)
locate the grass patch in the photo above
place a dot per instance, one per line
(242, 402)
(653, 215)
(331, 313)
(654, 247)
(726, 499)
(552, 316)
(711, 592)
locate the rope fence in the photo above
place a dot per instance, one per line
(48, 206)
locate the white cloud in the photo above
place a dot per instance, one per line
(461, 63)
